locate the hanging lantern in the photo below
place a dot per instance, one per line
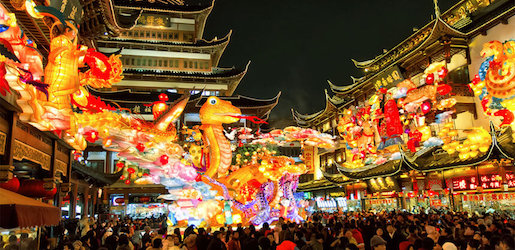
(131, 170)
(140, 147)
(163, 97)
(425, 107)
(430, 78)
(443, 89)
(442, 73)
(11, 185)
(163, 159)
(120, 165)
(92, 136)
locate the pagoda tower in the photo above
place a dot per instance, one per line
(163, 49)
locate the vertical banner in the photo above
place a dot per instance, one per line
(309, 158)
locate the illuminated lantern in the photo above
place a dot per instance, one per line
(163, 97)
(425, 107)
(430, 78)
(236, 218)
(131, 170)
(220, 218)
(120, 165)
(140, 147)
(163, 159)
(158, 108)
(92, 136)
(443, 89)
(442, 73)
(128, 181)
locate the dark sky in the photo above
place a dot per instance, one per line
(295, 46)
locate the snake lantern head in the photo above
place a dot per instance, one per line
(216, 112)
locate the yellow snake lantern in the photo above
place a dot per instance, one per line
(213, 114)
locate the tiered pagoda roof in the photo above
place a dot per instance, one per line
(116, 16)
(129, 99)
(456, 24)
(332, 104)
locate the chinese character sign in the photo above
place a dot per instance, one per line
(487, 181)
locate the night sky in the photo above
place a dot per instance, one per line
(295, 46)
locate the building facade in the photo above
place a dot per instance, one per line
(420, 178)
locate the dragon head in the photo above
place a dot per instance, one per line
(216, 111)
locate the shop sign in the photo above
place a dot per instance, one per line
(436, 203)
(489, 197)
(326, 204)
(389, 78)
(309, 158)
(381, 184)
(143, 199)
(488, 181)
(337, 194)
(71, 9)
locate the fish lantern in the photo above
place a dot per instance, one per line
(430, 78)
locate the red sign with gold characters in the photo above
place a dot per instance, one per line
(487, 181)
(309, 158)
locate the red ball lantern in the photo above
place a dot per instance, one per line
(120, 165)
(442, 73)
(131, 170)
(163, 97)
(128, 181)
(140, 147)
(92, 136)
(425, 107)
(430, 78)
(443, 89)
(163, 159)
(12, 185)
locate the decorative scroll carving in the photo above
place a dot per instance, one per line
(24, 151)
(3, 140)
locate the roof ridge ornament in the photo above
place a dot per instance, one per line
(437, 9)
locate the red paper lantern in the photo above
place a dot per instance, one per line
(120, 164)
(11, 185)
(163, 97)
(430, 78)
(425, 107)
(140, 147)
(443, 89)
(442, 73)
(35, 189)
(163, 159)
(128, 181)
(92, 136)
(131, 170)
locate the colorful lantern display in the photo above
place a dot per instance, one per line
(495, 82)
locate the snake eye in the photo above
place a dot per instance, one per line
(212, 101)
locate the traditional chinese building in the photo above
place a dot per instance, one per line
(446, 39)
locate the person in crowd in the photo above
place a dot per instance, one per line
(378, 243)
(393, 237)
(234, 241)
(155, 244)
(216, 242)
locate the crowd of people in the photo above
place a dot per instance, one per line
(374, 231)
